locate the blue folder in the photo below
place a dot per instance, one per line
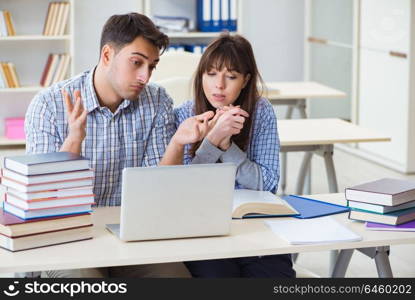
(310, 208)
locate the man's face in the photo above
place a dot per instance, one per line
(130, 69)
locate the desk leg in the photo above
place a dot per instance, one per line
(381, 256)
(289, 112)
(341, 263)
(382, 262)
(333, 188)
(331, 173)
(301, 105)
(305, 167)
(283, 179)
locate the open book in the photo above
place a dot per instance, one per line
(254, 204)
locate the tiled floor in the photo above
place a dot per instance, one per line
(402, 257)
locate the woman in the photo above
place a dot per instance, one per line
(243, 131)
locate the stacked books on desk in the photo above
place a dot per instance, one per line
(383, 202)
(47, 202)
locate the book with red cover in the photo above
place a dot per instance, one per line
(45, 178)
(13, 226)
(46, 70)
(46, 239)
(52, 194)
(48, 202)
(25, 188)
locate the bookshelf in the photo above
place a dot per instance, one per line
(29, 50)
(35, 38)
(178, 8)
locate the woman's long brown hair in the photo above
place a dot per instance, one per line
(235, 53)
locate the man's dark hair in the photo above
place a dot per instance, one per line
(120, 30)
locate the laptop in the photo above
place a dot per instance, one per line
(168, 202)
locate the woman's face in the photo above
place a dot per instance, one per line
(222, 87)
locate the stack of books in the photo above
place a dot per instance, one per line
(171, 24)
(8, 76)
(56, 19)
(47, 201)
(6, 24)
(385, 203)
(56, 69)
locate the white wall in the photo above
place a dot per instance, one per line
(276, 31)
(90, 17)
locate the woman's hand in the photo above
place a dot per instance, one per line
(229, 122)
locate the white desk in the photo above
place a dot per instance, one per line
(317, 136)
(247, 238)
(294, 94)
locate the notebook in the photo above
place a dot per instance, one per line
(310, 208)
(312, 231)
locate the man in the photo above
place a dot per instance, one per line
(111, 116)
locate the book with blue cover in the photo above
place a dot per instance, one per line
(393, 218)
(311, 208)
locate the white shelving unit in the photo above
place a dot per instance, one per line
(379, 76)
(187, 9)
(29, 50)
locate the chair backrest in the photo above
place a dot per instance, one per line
(179, 88)
(174, 64)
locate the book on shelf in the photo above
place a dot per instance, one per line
(8, 74)
(312, 231)
(216, 15)
(171, 24)
(46, 239)
(56, 20)
(382, 209)
(53, 194)
(46, 25)
(27, 188)
(47, 203)
(6, 24)
(45, 163)
(409, 226)
(3, 79)
(62, 68)
(253, 204)
(12, 226)
(46, 212)
(393, 218)
(386, 191)
(46, 69)
(9, 23)
(45, 178)
(55, 70)
(15, 78)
